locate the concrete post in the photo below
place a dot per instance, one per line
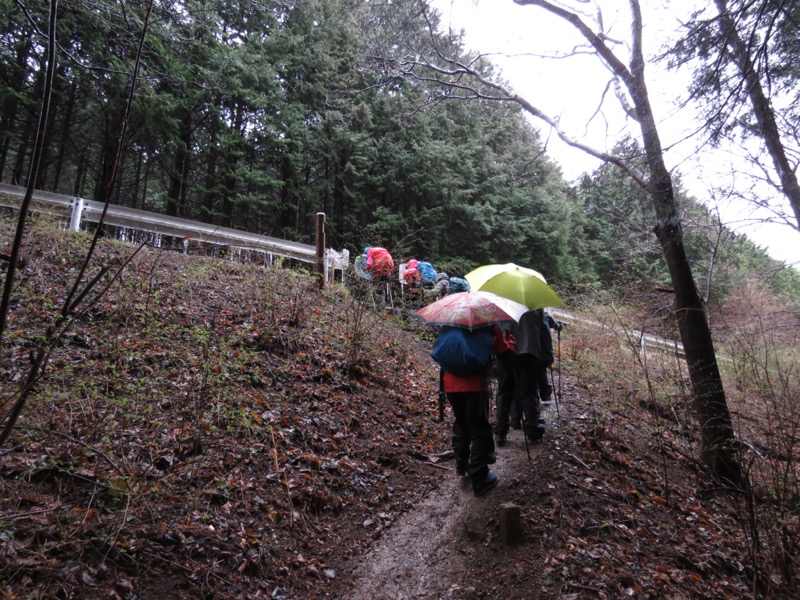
(77, 211)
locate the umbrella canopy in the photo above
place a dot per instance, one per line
(520, 284)
(469, 310)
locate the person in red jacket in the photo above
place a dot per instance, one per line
(473, 443)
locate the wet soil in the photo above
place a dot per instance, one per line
(445, 546)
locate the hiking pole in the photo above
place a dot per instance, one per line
(442, 395)
(525, 434)
(558, 332)
(553, 384)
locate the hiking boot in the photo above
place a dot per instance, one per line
(546, 399)
(485, 484)
(515, 423)
(535, 433)
(500, 440)
(461, 471)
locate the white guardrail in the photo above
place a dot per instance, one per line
(644, 340)
(81, 209)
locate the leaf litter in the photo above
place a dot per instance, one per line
(221, 430)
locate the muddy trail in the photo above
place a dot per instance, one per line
(611, 507)
(448, 545)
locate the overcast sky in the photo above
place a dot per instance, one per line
(523, 41)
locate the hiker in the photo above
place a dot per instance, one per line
(424, 281)
(375, 264)
(440, 288)
(543, 386)
(409, 275)
(517, 380)
(380, 264)
(473, 444)
(427, 274)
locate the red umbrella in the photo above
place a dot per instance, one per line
(470, 310)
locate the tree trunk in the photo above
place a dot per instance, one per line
(104, 183)
(180, 169)
(46, 158)
(11, 102)
(28, 132)
(710, 404)
(145, 183)
(137, 179)
(210, 194)
(80, 176)
(762, 109)
(61, 155)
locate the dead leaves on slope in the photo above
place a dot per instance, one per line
(242, 458)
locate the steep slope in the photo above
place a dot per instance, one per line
(218, 430)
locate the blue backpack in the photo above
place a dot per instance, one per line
(463, 352)
(427, 273)
(458, 284)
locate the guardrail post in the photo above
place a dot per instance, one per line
(345, 261)
(77, 211)
(320, 239)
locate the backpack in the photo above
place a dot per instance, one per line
(360, 265)
(411, 277)
(427, 273)
(379, 262)
(458, 284)
(463, 352)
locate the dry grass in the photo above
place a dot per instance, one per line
(758, 344)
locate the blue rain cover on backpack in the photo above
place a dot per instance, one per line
(463, 352)
(458, 284)
(427, 272)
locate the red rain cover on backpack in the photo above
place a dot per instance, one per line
(379, 262)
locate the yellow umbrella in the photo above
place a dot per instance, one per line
(511, 281)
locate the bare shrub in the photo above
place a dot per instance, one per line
(757, 340)
(762, 340)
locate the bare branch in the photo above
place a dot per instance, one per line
(451, 75)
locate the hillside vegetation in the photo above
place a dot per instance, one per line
(219, 430)
(260, 115)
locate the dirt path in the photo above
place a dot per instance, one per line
(428, 552)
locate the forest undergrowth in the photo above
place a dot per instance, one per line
(211, 429)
